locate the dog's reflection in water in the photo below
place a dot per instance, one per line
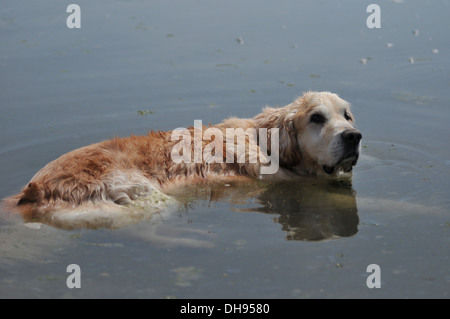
(313, 211)
(310, 209)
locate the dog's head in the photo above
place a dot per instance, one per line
(317, 134)
(326, 133)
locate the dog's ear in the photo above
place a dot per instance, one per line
(283, 120)
(290, 155)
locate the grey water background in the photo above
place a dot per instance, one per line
(141, 65)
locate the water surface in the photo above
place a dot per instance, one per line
(141, 65)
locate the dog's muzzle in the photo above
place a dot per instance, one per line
(350, 139)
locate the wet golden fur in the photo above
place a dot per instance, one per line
(120, 170)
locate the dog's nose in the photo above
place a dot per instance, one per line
(351, 136)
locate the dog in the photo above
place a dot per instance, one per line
(315, 135)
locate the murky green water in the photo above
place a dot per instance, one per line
(140, 65)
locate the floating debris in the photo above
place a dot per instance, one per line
(35, 226)
(435, 51)
(146, 112)
(294, 46)
(411, 60)
(186, 275)
(389, 45)
(240, 40)
(141, 26)
(416, 32)
(365, 60)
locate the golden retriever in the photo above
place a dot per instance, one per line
(314, 135)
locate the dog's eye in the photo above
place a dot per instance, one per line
(347, 116)
(317, 118)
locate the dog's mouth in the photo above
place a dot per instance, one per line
(345, 164)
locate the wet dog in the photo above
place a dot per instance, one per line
(315, 135)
